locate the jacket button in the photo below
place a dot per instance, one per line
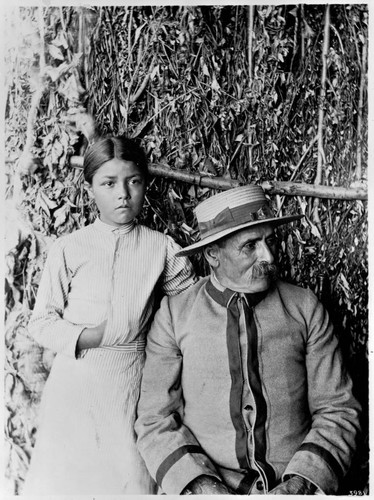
(248, 407)
(260, 485)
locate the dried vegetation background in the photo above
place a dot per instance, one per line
(252, 93)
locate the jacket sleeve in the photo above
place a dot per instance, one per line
(178, 274)
(47, 325)
(171, 452)
(326, 452)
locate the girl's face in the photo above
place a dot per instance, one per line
(118, 187)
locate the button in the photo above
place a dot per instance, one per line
(248, 407)
(260, 485)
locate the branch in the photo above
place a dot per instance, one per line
(326, 42)
(27, 164)
(299, 164)
(303, 157)
(271, 187)
(250, 40)
(134, 97)
(358, 173)
(321, 154)
(250, 77)
(316, 190)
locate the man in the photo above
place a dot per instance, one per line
(243, 389)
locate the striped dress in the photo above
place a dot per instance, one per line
(85, 442)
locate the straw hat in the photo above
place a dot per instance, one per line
(230, 211)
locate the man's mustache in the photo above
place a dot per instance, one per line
(263, 269)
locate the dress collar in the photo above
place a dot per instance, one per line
(224, 296)
(124, 229)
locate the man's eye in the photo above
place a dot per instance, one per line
(270, 241)
(251, 245)
(135, 181)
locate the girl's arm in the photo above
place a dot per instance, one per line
(47, 324)
(178, 273)
(91, 337)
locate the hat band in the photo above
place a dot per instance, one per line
(231, 217)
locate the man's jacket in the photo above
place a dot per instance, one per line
(247, 388)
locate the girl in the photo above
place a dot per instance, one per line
(94, 307)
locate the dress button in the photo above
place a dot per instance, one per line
(260, 485)
(248, 407)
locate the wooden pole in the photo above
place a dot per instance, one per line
(270, 187)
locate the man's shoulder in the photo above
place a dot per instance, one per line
(190, 294)
(293, 295)
(289, 289)
(182, 302)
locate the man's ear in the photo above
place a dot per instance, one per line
(211, 253)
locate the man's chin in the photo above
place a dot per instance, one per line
(261, 284)
(258, 285)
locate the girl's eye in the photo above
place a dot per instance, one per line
(135, 181)
(108, 183)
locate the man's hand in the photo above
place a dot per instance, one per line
(206, 485)
(295, 485)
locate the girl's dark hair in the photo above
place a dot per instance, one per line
(110, 147)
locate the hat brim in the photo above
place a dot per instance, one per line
(275, 221)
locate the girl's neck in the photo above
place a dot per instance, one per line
(124, 228)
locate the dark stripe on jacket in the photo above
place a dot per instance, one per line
(326, 456)
(255, 383)
(233, 350)
(246, 484)
(171, 459)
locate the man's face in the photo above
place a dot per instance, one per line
(245, 261)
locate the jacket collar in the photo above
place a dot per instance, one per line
(224, 297)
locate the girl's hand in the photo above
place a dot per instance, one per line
(91, 337)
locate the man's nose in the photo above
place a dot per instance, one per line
(266, 253)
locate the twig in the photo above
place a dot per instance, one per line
(345, 215)
(41, 31)
(155, 211)
(133, 98)
(63, 25)
(303, 157)
(129, 47)
(302, 33)
(82, 48)
(312, 142)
